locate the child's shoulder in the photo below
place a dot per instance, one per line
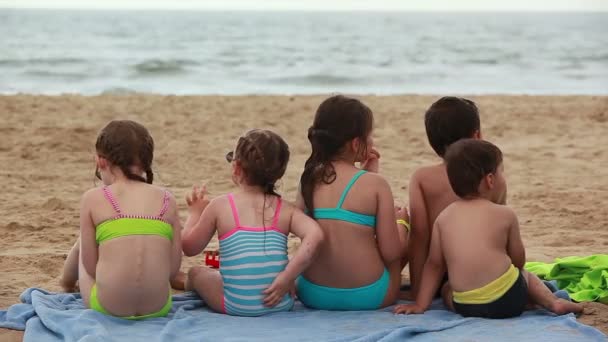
(159, 188)
(429, 172)
(221, 200)
(99, 192)
(501, 212)
(373, 177)
(157, 191)
(92, 194)
(450, 211)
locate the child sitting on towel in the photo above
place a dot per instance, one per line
(129, 246)
(255, 276)
(477, 240)
(359, 265)
(448, 120)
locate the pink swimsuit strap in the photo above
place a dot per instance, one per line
(112, 200)
(235, 212)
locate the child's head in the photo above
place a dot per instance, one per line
(261, 158)
(127, 146)
(341, 129)
(475, 169)
(450, 119)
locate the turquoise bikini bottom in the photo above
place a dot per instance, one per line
(369, 297)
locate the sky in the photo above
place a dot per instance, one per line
(377, 5)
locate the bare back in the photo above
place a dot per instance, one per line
(474, 239)
(436, 190)
(132, 272)
(430, 193)
(350, 256)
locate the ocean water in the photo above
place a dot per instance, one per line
(173, 52)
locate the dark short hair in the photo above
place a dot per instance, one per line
(450, 119)
(468, 161)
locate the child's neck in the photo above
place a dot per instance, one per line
(480, 197)
(250, 189)
(119, 176)
(346, 159)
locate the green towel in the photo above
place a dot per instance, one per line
(585, 278)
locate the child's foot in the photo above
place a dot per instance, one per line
(179, 281)
(562, 307)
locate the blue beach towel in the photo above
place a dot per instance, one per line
(61, 317)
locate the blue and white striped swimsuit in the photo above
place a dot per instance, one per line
(251, 258)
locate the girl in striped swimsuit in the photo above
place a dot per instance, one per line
(255, 275)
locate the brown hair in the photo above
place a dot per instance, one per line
(125, 144)
(468, 161)
(339, 119)
(263, 155)
(450, 119)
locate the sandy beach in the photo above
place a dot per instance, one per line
(556, 164)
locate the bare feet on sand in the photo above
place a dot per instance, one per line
(562, 307)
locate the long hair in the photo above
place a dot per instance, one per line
(339, 119)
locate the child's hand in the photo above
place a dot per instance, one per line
(197, 201)
(277, 290)
(408, 309)
(69, 287)
(372, 163)
(402, 214)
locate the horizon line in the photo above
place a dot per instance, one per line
(314, 10)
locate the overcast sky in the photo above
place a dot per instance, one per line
(386, 5)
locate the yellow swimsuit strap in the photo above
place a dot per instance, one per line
(491, 292)
(405, 224)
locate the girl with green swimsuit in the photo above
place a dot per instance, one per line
(129, 246)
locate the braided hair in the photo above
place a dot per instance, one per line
(263, 155)
(125, 144)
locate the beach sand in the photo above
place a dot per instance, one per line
(555, 160)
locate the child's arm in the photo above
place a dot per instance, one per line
(420, 234)
(197, 235)
(88, 243)
(515, 245)
(311, 235)
(387, 231)
(434, 269)
(173, 219)
(300, 200)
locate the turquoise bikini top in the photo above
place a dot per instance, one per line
(340, 214)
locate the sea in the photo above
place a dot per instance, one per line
(228, 53)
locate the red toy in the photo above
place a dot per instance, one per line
(212, 259)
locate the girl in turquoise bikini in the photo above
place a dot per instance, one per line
(359, 264)
(129, 246)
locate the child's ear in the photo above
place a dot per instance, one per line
(477, 135)
(101, 162)
(355, 144)
(490, 181)
(237, 169)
